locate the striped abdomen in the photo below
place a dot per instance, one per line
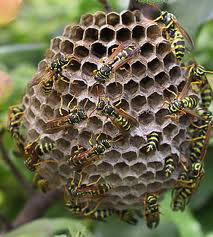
(206, 96)
(169, 166)
(190, 102)
(152, 141)
(124, 123)
(179, 45)
(44, 148)
(47, 86)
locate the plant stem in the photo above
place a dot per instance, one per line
(36, 207)
(14, 170)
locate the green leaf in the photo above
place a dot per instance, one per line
(52, 228)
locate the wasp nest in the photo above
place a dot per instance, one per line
(140, 85)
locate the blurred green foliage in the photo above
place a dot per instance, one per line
(22, 45)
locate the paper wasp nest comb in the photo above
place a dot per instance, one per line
(130, 170)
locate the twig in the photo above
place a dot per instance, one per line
(5, 223)
(106, 5)
(14, 170)
(36, 207)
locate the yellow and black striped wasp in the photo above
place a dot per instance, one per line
(119, 118)
(15, 115)
(169, 166)
(34, 151)
(153, 140)
(78, 189)
(122, 54)
(83, 158)
(151, 210)
(174, 33)
(41, 183)
(51, 74)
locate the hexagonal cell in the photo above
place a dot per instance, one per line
(179, 137)
(33, 134)
(55, 43)
(123, 71)
(137, 141)
(113, 19)
(164, 149)
(66, 99)
(122, 168)
(130, 180)
(105, 168)
(127, 18)
(91, 34)
(155, 99)
(170, 130)
(157, 165)
(40, 124)
(78, 87)
(42, 65)
(131, 87)
(100, 19)
(62, 86)
(98, 50)
(50, 53)
(84, 138)
(35, 103)
(146, 118)
(87, 20)
(162, 78)
(123, 34)
(87, 104)
(47, 111)
(146, 83)
(181, 86)
(53, 99)
(88, 68)
(64, 169)
(138, 102)
(162, 49)
(81, 51)
(113, 156)
(147, 50)
(67, 31)
(130, 156)
(114, 89)
(169, 60)
(74, 65)
(138, 168)
(73, 133)
(76, 33)
(155, 66)
(67, 46)
(138, 15)
(94, 124)
(62, 144)
(138, 33)
(107, 34)
(122, 103)
(153, 32)
(138, 69)
(185, 119)
(109, 128)
(160, 116)
(154, 186)
(30, 114)
(175, 73)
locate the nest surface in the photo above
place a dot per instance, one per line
(141, 87)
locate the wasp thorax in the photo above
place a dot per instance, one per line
(134, 91)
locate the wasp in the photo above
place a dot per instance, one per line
(126, 216)
(84, 210)
(15, 115)
(120, 119)
(35, 150)
(189, 184)
(86, 157)
(40, 183)
(75, 116)
(51, 74)
(175, 33)
(153, 139)
(206, 95)
(119, 57)
(169, 166)
(86, 190)
(200, 142)
(151, 210)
